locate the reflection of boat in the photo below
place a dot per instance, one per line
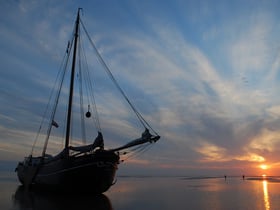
(89, 167)
(32, 199)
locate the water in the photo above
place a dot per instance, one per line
(165, 193)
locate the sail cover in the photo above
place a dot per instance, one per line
(98, 142)
(145, 138)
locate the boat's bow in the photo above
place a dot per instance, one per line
(146, 137)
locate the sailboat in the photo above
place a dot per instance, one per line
(89, 167)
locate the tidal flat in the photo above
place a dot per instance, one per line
(144, 192)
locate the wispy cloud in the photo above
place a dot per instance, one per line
(207, 83)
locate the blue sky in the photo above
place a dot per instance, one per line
(205, 74)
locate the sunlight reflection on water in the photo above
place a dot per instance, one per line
(265, 195)
(172, 193)
(165, 193)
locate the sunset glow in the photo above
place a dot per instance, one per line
(206, 77)
(263, 166)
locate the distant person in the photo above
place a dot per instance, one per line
(243, 177)
(225, 177)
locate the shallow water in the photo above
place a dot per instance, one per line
(165, 193)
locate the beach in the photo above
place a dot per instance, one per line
(144, 192)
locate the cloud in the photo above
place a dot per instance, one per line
(250, 157)
(207, 86)
(250, 52)
(196, 98)
(14, 143)
(266, 141)
(212, 152)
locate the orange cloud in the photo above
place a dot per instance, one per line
(251, 158)
(212, 152)
(266, 140)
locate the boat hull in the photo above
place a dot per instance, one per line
(89, 172)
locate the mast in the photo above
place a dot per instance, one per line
(68, 124)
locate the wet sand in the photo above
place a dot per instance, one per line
(165, 193)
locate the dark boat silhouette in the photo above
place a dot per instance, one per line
(89, 167)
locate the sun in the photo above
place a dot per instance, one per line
(263, 166)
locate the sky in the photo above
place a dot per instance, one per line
(204, 74)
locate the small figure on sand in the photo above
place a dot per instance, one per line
(243, 177)
(225, 177)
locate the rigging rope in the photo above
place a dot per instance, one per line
(54, 98)
(90, 88)
(137, 151)
(65, 64)
(83, 130)
(139, 116)
(59, 77)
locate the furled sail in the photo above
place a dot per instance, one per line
(98, 142)
(145, 138)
